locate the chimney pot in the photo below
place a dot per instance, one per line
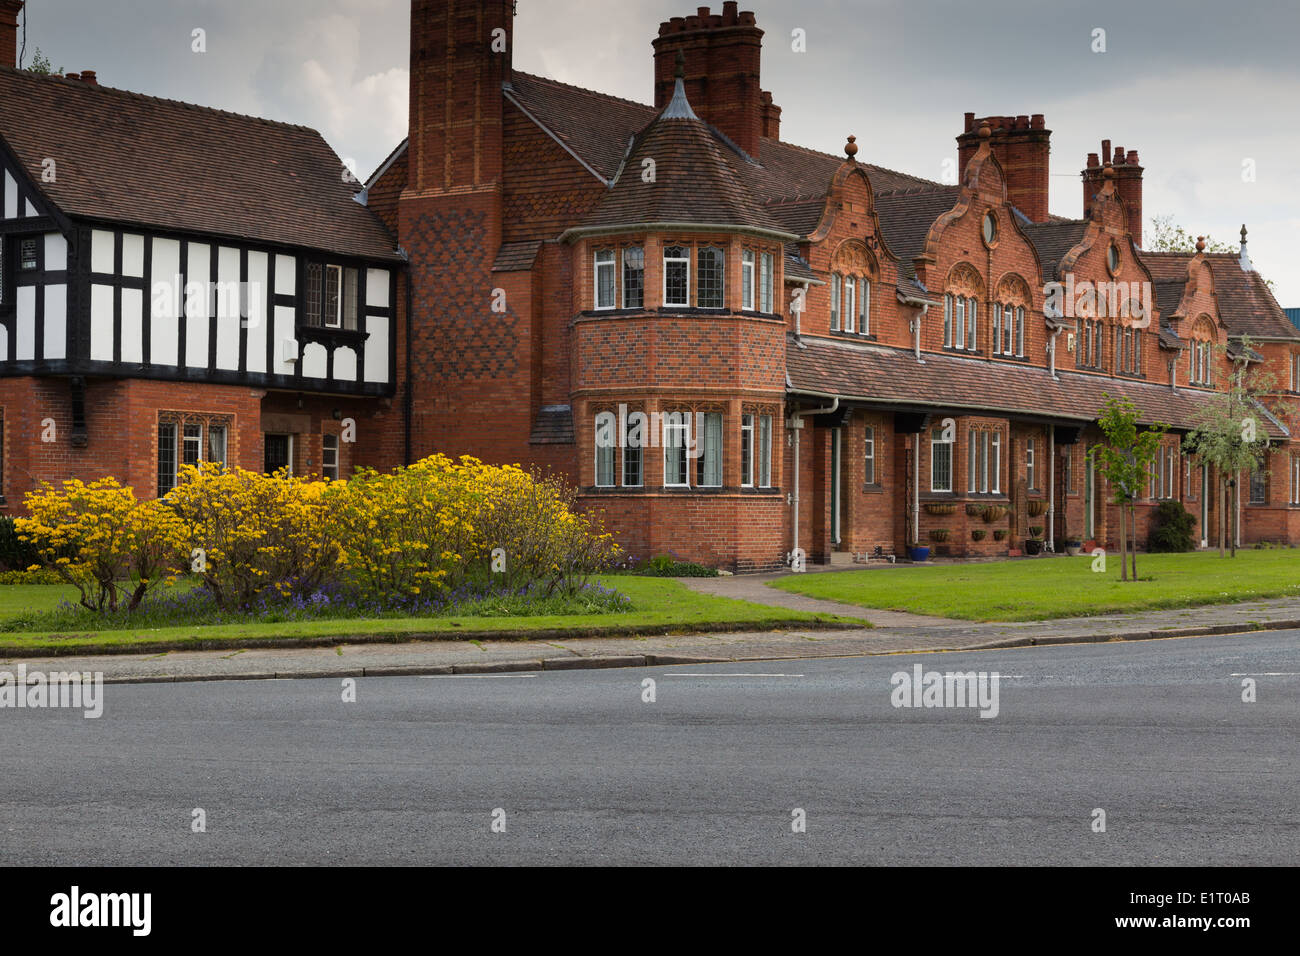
(1093, 161)
(72, 76)
(970, 122)
(9, 10)
(1133, 158)
(729, 12)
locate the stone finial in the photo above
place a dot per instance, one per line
(985, 130)
(851, 147)
(1200, 243)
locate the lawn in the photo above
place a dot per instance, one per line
(659, 606)
(1044, 588)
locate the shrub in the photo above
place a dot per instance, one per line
(245, 532)
(1171, 528)
(15, 553)
(667, 566)
(100, 539)
(33, 576)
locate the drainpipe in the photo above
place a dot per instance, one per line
(1051, 480)
(916, 490)
(916, 331)
(796, 425)
(1051, 352)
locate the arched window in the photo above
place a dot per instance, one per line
(854, 267)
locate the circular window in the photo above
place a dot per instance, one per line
(990, 228)
(1112, 258)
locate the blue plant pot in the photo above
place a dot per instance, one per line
(920, 553)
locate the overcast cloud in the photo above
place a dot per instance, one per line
(1196, 87)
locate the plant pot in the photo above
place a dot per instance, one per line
(939, 534)
(999, 534)
(977, 534)
(919, 553)
(975, 510)
(940, 508)
(1073, 546)
(1035, 531)
(1036, 507)
(1033, 546)
(994, 513)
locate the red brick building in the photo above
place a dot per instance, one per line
(734, 346)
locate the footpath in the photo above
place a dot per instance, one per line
(889, 633)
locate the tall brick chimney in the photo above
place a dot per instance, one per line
(9, 10)
(1128, 183)
(1022, 145)
(460, 55)
(722, 52)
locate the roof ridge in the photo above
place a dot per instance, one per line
(913, 190)
(113, 90)
(583, 89)
(825, 155)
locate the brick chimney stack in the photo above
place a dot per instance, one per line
(1022, 145)
(460, 55)
(1128, 183)
(9, 10)
(722, 52)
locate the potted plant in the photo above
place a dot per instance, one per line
(975, 510)
(940, 507)
(999, 534)
(919, 552)
(1035, 531)
(977, 534)
(994, 513)
(1033, 545)
(1073, 544)
(939, 534)
(1036, 507)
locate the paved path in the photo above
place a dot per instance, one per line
(446, 657)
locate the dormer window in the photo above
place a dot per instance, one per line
(960, 317)
(331, 293)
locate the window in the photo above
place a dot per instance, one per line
(1030, 477)
(709, 284)
(604, 279)
(331, 295)
(1295, 480)
(864, 308)
(1068, 465)
(765, 451)
(747, 451)
(1258, 486)
(1008, 330)
(940, 461)
(869, 456)
(633, 456)
(989, 228)
(1112, 258)
(677, 276)
(996, 485)
(765, 283)
(972, 317)
(166, 457)
(947, 321)
(677, 429)
(959, 323)
(605, 443)
(1295, 372)
(850, 302)
(708, 466)
(633, 277)
(27, 255)
(972, 461)
(188, 440)
(1020, 331)
(329, 457)
(747, 279)
(835, 302)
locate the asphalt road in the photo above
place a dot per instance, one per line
(1155, 733)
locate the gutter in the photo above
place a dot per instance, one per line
(579, 232)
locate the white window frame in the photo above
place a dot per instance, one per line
(677, 422)
(336, 320)
(767, 277)
(934, 458)
(995, 463)
(747, 279)
(685, 262)
(604, 261)
(835, 301)
(849, 288)
(1020, 331)
(1030, 477)
(700, 254)
(972, 323)
(972, 461)
(606, 455)
(622, 294)
(869, 455)
(326, 451)
(747, 450)
(947, 321)
(709, 451)
(765, 451)
(864, 307)
(959, 323)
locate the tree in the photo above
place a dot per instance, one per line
(1229, 432)
(41, 65)
(1125, 460)
(1167, 236)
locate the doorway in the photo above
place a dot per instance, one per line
(836, 467)
(278, 453)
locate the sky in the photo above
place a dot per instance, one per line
(1207, 92)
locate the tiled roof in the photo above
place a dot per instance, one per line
(1246, 304)
(906, 217)
(698, 178)
(1169, 293)
(516, 256)
(797, 268)
(132, 159)
(1053, 240)
(553, 426)
(887, 377)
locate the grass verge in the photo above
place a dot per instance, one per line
(1059, 587)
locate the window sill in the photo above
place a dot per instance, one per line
(324, 335)
(853, 336)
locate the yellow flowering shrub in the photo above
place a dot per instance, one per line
(246, 532)
(113, 548)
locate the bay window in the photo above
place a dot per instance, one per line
(604, 279)
(765, 451)
(633, 277)
(677, 276)
(747, 280)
